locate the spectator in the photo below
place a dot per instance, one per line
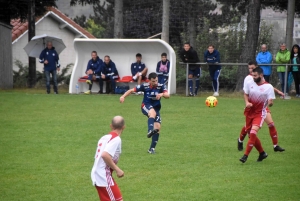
(162, 69)
(212, 56)
(51, 64)
(265, 57)
(189, 55)
(138, 70)
(295, 59)
(93, 70)
(110, 73)
(282, 57)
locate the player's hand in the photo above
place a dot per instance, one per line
(158, 96)
(270, 103)
(58, 69)
(46, 62)
(103, 76)
(281, 93)
(248, 105)
(120, 173)
(122, 99)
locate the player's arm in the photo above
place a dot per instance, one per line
(164, 94)
(247, 103)
(108, 160)
(278, 91)
(122, 98)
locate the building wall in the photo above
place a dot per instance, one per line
(50, 27)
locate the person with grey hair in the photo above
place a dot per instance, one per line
(106, 158)
(50, 59)
(282, 57)
(265, 57)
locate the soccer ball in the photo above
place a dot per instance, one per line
(211, 101)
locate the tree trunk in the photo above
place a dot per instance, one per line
(118, 19)
(31, 34)
(192, 32)
(249, 49)
(290, 24)
(165, 21)
(6, 73)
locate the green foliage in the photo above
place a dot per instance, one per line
(20, 77)
(265, 36)
(95, 29)
(48, 144)
(80, 20)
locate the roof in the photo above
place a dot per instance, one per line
(20, 28)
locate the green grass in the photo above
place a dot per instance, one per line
(47, 145)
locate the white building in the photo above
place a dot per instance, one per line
(53, 23)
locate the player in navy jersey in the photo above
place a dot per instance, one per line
(153, 91)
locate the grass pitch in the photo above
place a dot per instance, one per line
(47, 145)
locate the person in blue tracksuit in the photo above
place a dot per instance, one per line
(93, 70)
(138, 69)
(50, 59)
(212, 56)
(265, 57)
(110, 73)
(162, 69)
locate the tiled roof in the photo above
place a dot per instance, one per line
(20, 28)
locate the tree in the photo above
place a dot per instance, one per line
(80, 20)
(118, 19)
(95, 29)
(13, 10)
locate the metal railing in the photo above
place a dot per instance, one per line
(238, 64)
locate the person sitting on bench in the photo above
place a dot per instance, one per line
(109, 73)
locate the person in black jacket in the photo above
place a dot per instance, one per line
(189, 55)
(295, 59)
(109, 73)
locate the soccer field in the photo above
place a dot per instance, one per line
(47, 145)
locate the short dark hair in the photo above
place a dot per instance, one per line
(152, 76)
(94, 52)
(107, 56)
(252, 63)
(164, 54)
(187, 43)
(210, 45)
(138, 55)
(259, 70)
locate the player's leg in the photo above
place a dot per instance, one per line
(47, 74)
(273, 132)
(54, 77)
(155, 136)
(89, 81)
(190, 82)
(216, 82)
(197, 75)
(240, 140)
(151, 114)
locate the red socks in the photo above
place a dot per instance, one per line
(273, 133)
(243, 133)
(253, 141)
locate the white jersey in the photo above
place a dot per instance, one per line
(101, 173)
(258, 96)
(248, 78)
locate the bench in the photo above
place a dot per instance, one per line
(125, 79)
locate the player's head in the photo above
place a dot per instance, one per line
(94, 55)
(186, 46)
(153, 79)
(164, 57)
(210, 48)
(258, 74)
(117, 123)
(138, 57)
(251, 65)
(263, 47)
(106, 59)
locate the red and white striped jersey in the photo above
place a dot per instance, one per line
(258, 96)
(101, 173)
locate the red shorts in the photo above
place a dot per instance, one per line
(109, 193)
(256, 120)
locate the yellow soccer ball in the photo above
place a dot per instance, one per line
(211, 101)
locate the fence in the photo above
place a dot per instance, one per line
(238, 64)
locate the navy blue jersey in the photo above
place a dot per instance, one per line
(52, 57)
(150, 94)
(137, 67)
(95, 65)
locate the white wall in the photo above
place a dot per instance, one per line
(122, 52)
(50, 27)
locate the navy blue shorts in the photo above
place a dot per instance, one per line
(196, 72)
(145, 110)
